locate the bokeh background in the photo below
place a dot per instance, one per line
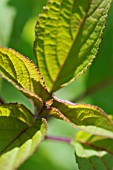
(95, 86)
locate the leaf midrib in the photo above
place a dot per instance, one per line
(17, 137)
(82, 22)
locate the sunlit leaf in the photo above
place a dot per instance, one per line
(89, 159)
(19, 135)
(23, 74)
(83, 116)
(68, 34)
(100, 78)
(96, 142)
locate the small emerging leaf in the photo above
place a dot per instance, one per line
(19, 135)
(96, 142)
(83, 116)
(68, 34)
(89, 159)
(23, 74)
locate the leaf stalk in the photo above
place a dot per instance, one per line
(59, 139)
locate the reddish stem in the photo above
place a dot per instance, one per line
(59, 139)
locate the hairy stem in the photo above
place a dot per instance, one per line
(59, 139)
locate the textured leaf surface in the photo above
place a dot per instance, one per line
(96, 142)
(68, 35)
(89, 159)
(19, 135)
(23, 74)
(82, 115)
(100, 77)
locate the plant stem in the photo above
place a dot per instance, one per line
(59, 139)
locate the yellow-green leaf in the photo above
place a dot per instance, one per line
(20, 135)
(83, 116)
(96, 142)
(23, 74)
(89, 159)
(68, 34)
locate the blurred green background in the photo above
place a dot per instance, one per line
(17, 22)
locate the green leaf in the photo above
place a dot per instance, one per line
(100, 83)
(96, 142)
(83, 116)
(68, 34)
(23, 74)
(19, 135)
(89, 159)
